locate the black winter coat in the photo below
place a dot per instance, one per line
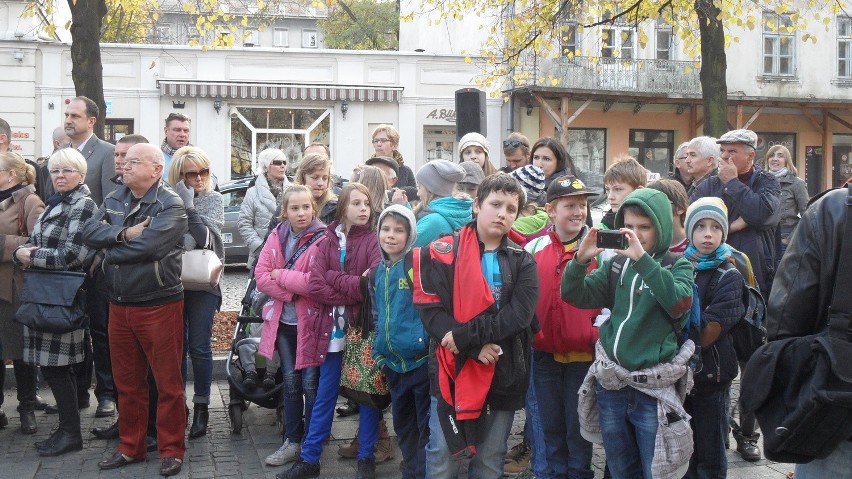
(724, 306)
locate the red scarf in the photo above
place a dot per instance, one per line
(467, 386)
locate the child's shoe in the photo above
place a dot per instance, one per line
(251, 380)
(269, 380)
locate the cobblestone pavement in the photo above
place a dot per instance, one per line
(222, 454)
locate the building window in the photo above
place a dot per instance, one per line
(779, 45)
(664, 43)
(568, 40)
(587, 149)
(281, 37)
(844, 47)
(251, 38)
(309, 39)
(654, 149)
(618, 42)
(163, 33)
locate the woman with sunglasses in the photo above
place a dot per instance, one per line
(189, 175)
(261, 201)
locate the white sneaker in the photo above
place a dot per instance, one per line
(288, 452)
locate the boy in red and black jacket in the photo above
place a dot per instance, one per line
(477, 294)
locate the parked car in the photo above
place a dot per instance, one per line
(233, 193)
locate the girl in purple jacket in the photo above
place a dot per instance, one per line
(282, 272)
(348, 251)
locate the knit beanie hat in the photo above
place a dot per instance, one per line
(707, 207)
(473, 139)
(439, 177)
(531, 178)
(473, 173)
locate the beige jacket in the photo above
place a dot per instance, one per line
(10, 235)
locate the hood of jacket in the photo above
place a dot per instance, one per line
(456, 211)
(412, 226)
(657, 206)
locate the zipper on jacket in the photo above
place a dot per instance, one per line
(157, 273)
(626, 319)
(387, 319)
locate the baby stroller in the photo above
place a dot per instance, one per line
(241, 396)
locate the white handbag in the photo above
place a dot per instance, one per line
(202, 269)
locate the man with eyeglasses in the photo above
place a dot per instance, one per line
(140, 229)
(681, 173)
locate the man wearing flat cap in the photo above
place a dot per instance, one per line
(752, 196)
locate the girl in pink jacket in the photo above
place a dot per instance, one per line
(282, 272)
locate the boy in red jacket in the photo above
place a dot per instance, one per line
(564, 351)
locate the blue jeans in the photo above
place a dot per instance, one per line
(323, 415)
(837, 464)
(556, 384)
(629, 428)
(494, 429)
(533, 432)
(300, 387)
(410, 402)
(199, 309)
(709, 430)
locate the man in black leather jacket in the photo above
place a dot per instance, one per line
(802, 293)
(140, 230)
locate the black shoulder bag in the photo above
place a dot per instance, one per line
(52, 301)
(800, 389)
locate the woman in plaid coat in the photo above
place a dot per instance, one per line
(56, 243)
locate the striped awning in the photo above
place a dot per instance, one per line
(277, 91)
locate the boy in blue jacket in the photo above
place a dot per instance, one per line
(401, 347)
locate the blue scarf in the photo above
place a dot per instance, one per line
(704, 262)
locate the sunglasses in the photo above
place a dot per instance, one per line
(514, 144)
(279, 162)
(193, 175)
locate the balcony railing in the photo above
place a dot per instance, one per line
(666, 77)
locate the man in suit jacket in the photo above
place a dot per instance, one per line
(80, 118)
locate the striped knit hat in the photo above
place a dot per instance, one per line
(531, 178)
(707, 207)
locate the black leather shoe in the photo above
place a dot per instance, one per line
(4, 421)
(109, 432)
(51, 409)
(348, 409)
(28, 422)
(39, 403)
(106, 408)
(43, 444)
(62, 443)
(150, 443)
(200, 417)
(170, 466)
(116, 461)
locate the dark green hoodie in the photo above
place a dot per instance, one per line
(639, 333)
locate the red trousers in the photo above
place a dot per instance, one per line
(141, 338)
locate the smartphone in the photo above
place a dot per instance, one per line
(612, 239)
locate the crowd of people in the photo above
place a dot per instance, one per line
(487, 290)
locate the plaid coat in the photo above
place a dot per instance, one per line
(59, 235)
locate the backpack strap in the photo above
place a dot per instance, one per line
(720, 271)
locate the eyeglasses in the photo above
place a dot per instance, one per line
(134, 163)
(64, 171)
(277, 163)
(514, 144)
(379, 141)
(5, 169)
(193, 175)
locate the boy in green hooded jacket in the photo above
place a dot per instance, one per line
(649, 302)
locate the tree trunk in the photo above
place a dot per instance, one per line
(87, 70)
(714, 84)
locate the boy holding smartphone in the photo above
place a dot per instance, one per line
(650, 304)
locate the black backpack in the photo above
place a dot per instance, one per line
(800, 389)
(749, 333)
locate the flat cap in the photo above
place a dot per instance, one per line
(745, 137)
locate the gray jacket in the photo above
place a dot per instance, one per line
(100, 158)
(145, 269)
(257, 210)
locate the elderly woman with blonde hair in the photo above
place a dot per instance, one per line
(189, 175)
(261, 201)
(20, 207)
(56, 243)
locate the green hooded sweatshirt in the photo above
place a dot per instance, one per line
(648, 298)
